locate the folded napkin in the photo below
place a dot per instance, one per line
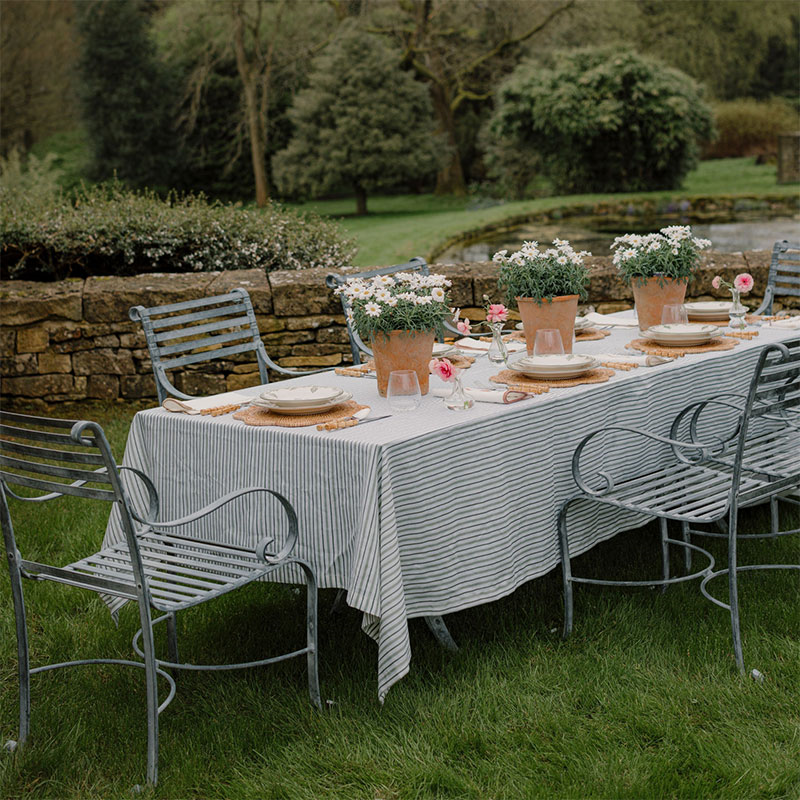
(483, 347)
(485, 395)
(614, 321)
(200, 404)
(642, 361)
(788, 323)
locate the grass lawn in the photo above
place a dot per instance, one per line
(642, 702)
(401, 226)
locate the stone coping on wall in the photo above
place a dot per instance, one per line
(73, 340)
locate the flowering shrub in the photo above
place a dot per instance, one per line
(405, 301)
(542, 274)
(671, 253)
(108, 230)
(742, 283)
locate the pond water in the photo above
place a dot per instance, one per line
(726, 237)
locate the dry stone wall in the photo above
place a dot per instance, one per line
(73, 340)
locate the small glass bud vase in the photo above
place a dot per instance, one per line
(497, 349)
(458, 399)
(736, 315)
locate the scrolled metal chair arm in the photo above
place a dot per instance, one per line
(151, 516)
(702, 448)
(696, 409)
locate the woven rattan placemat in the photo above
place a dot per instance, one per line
(586, 335)
(538, 386)
(253, 415)
(717, 344)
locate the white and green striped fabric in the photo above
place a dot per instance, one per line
(430, 512)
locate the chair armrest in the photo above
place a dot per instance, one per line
(260, 550)
(696, 410)
(150, 517)
(701, 448)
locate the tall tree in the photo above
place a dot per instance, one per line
(37, 52)
(462, 48)
(362, 122)
(128, 95)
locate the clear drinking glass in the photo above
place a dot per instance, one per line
(674, 314)
(548, 342)
(403, 391)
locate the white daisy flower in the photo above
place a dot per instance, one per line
(372, 309)
(437, 293)
(383, 296)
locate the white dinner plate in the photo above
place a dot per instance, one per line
(709, 311)
(440, 350)
(580, 324)
(554, 367)
(301, 395)
(311, 408)
(682, 334)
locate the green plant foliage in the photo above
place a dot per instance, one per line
(542, 274)
(109, 230)
(128, 95)
(362, 122)
(605, 120)
(671, 253)
(750, 127)
(406, 301)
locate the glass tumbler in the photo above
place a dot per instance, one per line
(403, 391)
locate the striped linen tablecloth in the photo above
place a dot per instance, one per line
(430, 512)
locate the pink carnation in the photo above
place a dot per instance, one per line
(443, 368)
(496, 312)
(743, 282)
(716, 281)
(463, 326)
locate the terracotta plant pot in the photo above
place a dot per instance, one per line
(560, 313)
(402, 350)
(652, 294)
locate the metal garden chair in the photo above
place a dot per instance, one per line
(703, 478)
(202, 330)
(155, 565)
(335, 280)
(784, 274)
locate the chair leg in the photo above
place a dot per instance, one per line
(311, 636)
(23, 660)
(664, 553)
(687, 553)
(775, 514)
(172, 638)
(151, 679)
(733, 592)
(566, 570)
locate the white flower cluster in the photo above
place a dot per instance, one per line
(386, 291)
(560, 253)
(667, 240)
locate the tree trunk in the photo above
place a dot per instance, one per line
(255, 130)
(450, 179)
(361, 201)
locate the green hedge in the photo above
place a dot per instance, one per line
(750, 127)
(109, 230)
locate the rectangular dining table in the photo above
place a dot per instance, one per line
(430, 512)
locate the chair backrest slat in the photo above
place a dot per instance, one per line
(46, 452)
(52, 487)
(784, 274)
(181, 319)
(42, 422)
(197, 329)
(91, 476)
(43, 436)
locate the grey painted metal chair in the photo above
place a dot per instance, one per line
(196, 331)
(702, 478)
(784, 274)
(335, 280)
(155, 565)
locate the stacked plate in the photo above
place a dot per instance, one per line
(681, 335)
(554, 368)
(712, 311)
(298, 400)
(581, 323)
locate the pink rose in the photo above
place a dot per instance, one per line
(497, 312)
(463, 326)
(715, 281)
(443, 368)
(743, 282)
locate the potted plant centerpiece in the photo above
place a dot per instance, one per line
(658, 267)
(545, 286)
(398, 316)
